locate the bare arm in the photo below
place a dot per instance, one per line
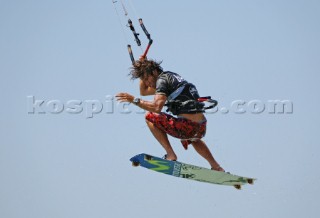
(146, 90)
(153, 106)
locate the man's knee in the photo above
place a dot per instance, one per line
(148, 116)
(156, 119)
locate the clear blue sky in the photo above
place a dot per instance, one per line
(64, 164)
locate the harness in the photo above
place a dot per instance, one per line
(190, 106)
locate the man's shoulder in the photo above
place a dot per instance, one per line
(171, 76)
(169, 73)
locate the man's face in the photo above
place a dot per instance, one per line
(150, 80)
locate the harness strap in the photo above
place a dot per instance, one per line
(177, 92)
(190, 106)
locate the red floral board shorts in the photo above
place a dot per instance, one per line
(178, 127)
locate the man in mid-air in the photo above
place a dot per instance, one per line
(181, 98)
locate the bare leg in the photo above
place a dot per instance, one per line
(201, 147)
(162, 138)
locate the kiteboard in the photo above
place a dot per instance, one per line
(188, 171)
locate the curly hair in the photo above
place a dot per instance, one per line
(142, 68)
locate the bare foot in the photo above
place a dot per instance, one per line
(218, 168)
(170, 157)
